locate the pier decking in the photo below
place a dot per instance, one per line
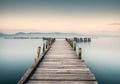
(60, 65)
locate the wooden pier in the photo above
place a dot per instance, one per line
(59, 64)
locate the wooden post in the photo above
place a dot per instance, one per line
(43, 47)
(74, 46)
(53, 40)
(81, 39)
(46, 44)
(71, 42)
(66, 39)
(75, 39)
(79, 53)
(89, 39)
(85, 39)
(38, 54)
(49, 41)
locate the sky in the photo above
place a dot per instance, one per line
(59, 16)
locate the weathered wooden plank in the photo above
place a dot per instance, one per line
(59, 60)
(66, 74)
(62, 51)
(67, 55)
(60, 82)
(47, 71)
(64, 77)
(64, 70)
(62, 63)
(55, 53)
(63, 66)
(59, 48)
(60, 55)
(63, 60)
(81, 75)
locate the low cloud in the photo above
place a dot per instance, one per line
(114, 24)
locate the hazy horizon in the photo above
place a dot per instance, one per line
(86, 16)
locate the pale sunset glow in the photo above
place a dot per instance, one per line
(59, 16)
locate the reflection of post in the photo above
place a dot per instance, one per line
(79, 53)
(38, 54)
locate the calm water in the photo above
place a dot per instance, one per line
(16, 56)
(102, 56)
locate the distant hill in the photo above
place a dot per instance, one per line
(40, 34)
(20, 33)
(2, 34)
(57, 34)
